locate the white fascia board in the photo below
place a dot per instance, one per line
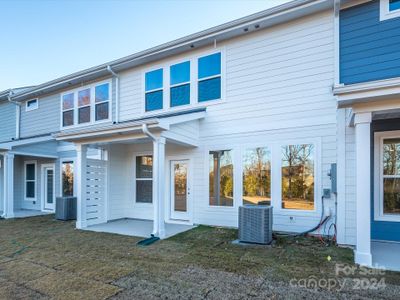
(348, 95)
(10, 145)
(182, 118)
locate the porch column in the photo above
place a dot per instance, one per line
(159, 187)
(80, 177)
(362, 123)
(8, 160)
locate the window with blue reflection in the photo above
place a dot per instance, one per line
(154, 80)
(154, 100)
(394, 5)
(180, 95)
(102, 92)
(209, 76)
(180, 84)
(180, 73)
(209, 65)
(154, 92)
(210, 89)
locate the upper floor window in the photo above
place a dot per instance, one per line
(87, 105)
(32, 104)
(154, 90)
(389, 9)
(180, 84)
(209, 77)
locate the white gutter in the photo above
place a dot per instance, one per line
(109, 69)
(18, 113)
(147, 132)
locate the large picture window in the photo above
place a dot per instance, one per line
(298, 177)
(221, 178)
(144, 179)
(30, 180)
(67, 178)
(257, 176)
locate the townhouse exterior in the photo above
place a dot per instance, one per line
(255, 111)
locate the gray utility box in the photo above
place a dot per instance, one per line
(66, 208)
(255, 224)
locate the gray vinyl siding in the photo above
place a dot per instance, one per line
(44, 120)
(8, 121)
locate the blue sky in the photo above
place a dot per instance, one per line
(43, 40)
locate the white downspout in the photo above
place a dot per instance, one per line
(18, 115)
(116, 93)
(146, 131)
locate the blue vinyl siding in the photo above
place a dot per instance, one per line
(369, 48)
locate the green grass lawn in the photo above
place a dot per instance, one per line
(41, 258)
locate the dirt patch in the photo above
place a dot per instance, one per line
(41, 258)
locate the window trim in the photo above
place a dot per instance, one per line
(194, 103)
(385, 13)
(35, 181)
(379, 214)
(62, 161)
(93, 104)
(135, 203)
(27, 108)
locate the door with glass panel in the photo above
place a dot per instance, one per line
(386, 221)
(48, 188)
(180, 190)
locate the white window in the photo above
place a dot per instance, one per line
(221, 178)
(188, 82)
(389, 9)
(32, 104)
(298, 188)
(387, 168)
(30, 180)
(86, 105)
(144, 179)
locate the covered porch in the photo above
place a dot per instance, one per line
(28, 177)
(130, 191)
(373, 114)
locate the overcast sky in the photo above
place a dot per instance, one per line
(42, 40)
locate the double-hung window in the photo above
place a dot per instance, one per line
(389, 9)
(84, 106)
(30, 180)
(209, 77)
(102, 102)
(180, 84)
(68, 105)
(154, 90)
(144, 179)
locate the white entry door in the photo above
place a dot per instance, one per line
(180, 190)
(48, 188)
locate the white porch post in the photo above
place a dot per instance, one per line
(158, 186)
(80, 177)
(8, 185)
(362, 123)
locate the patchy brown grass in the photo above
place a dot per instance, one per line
(45, 259)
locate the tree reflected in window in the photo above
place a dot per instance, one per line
(298, 177)
(221, 178)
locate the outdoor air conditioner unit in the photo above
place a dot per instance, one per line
(255, 224)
